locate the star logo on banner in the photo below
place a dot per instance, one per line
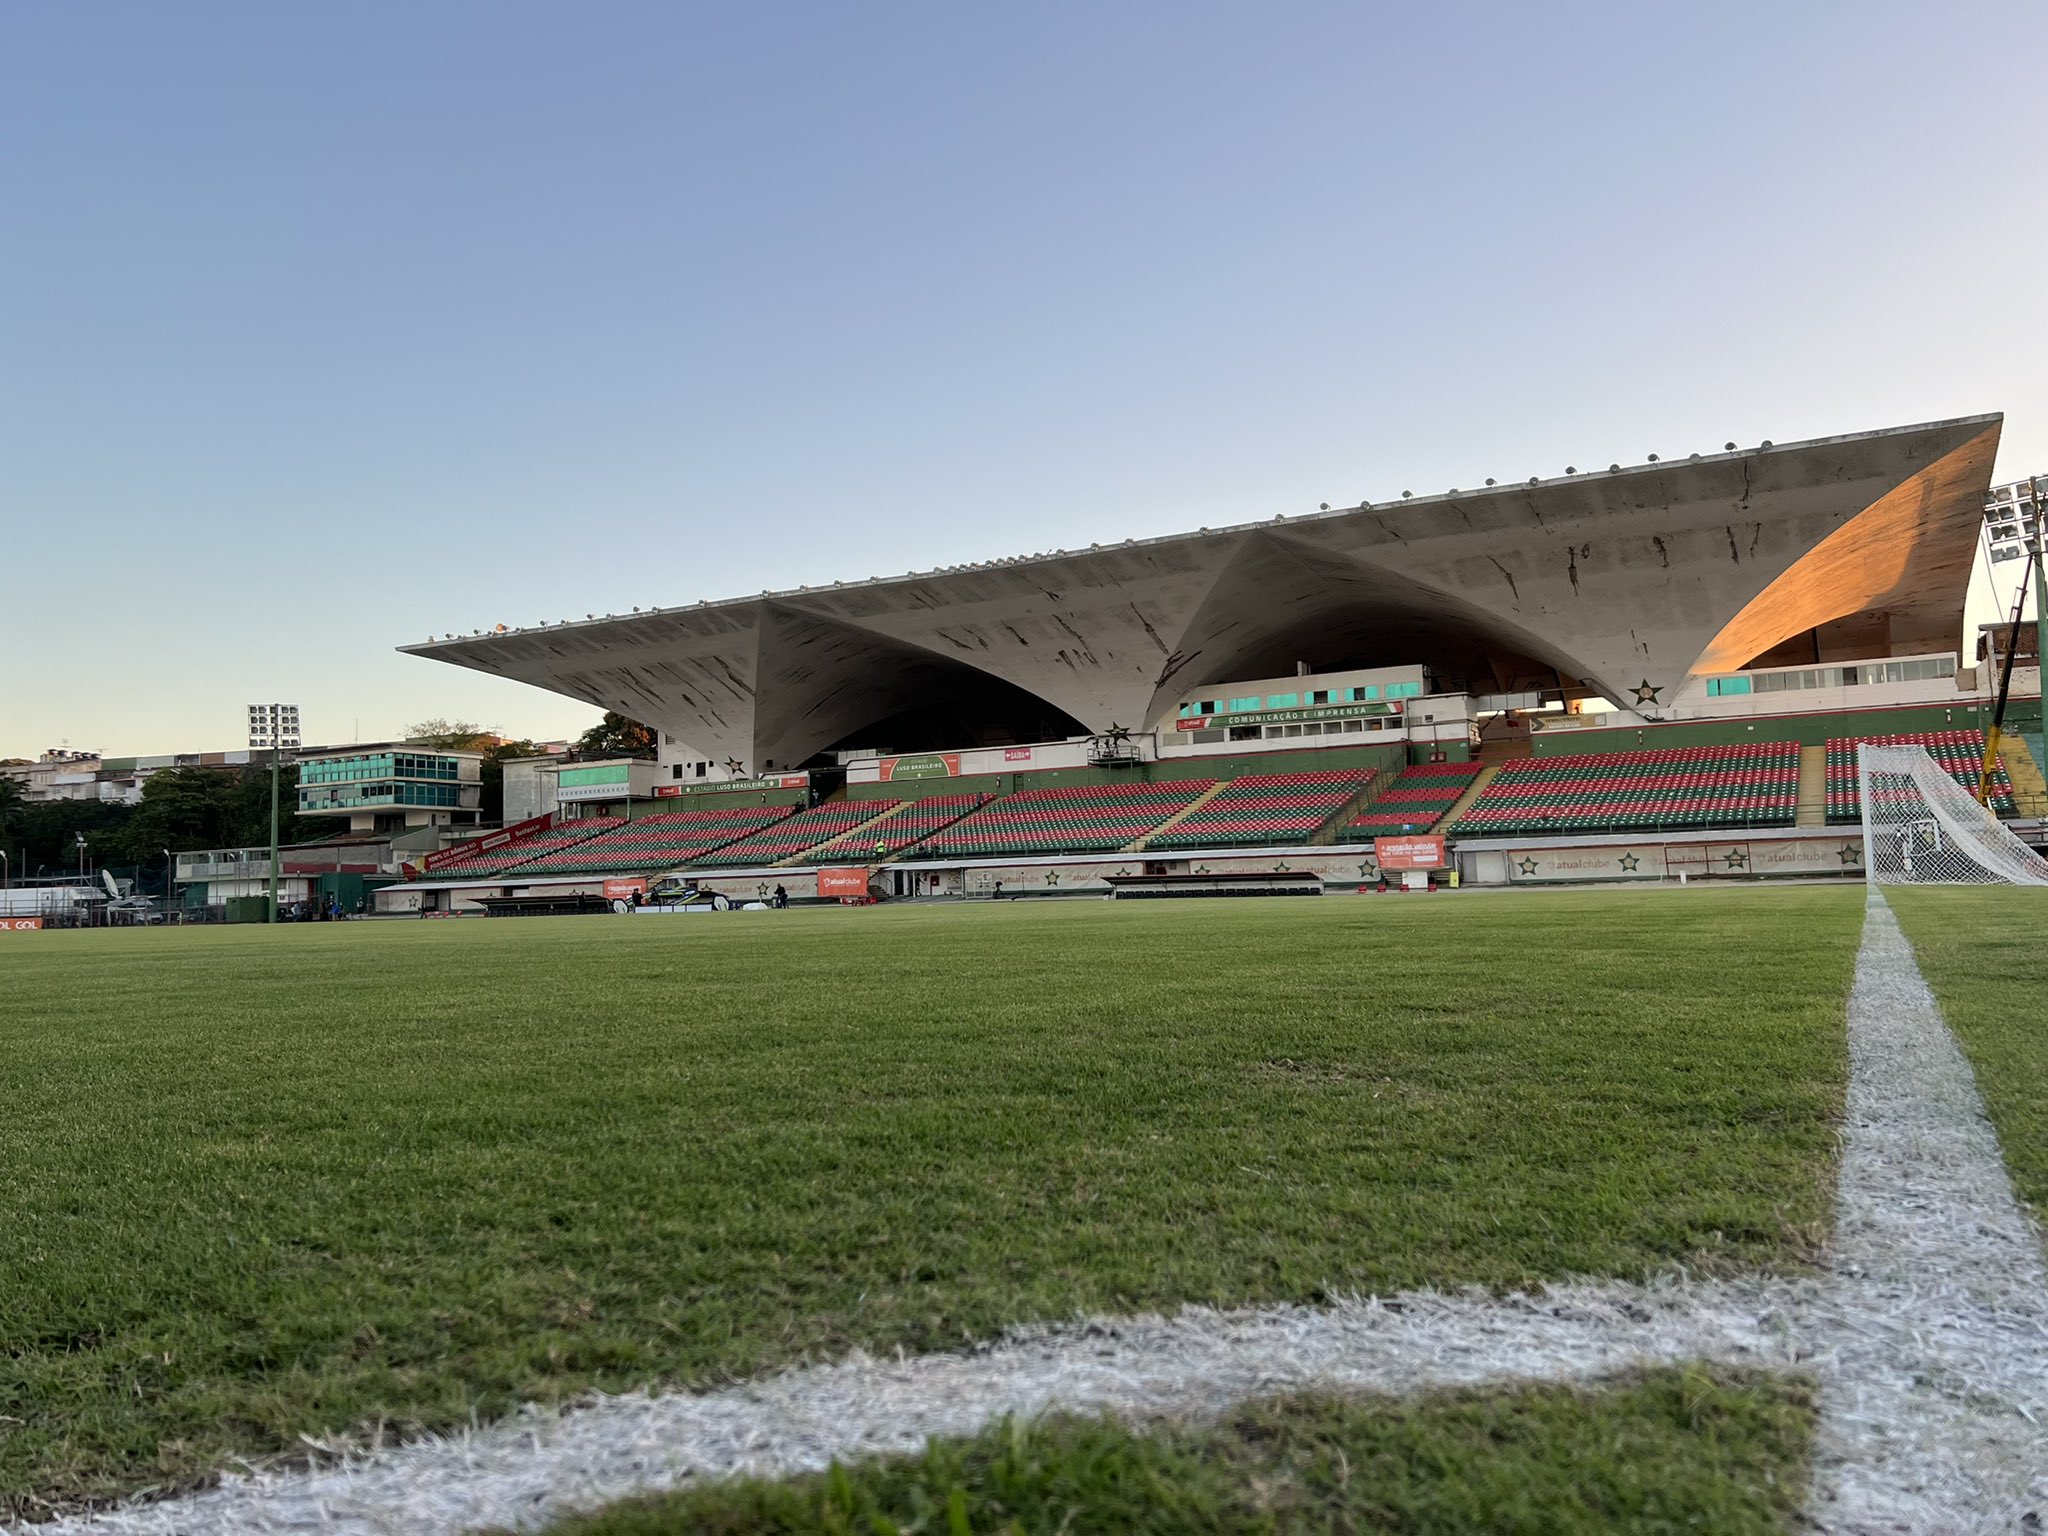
(1646, 693)
(735, 767)
(1201, 869)
(1366, 870)
(761, 889)
(1850, 854)
(1628, 861)
(1735, 858)
(1052, 877)
(1526, 864)
(1280, 868)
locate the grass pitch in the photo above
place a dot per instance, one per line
(266, 1183)
(1980, 950)
(1669, 1451)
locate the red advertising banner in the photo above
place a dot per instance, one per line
(723, 786)
(615, 890)
(1422, 851)
(1016, 754)
(487, 842)
(20, 924)
(843, 882)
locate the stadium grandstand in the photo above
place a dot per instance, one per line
(1611, 674)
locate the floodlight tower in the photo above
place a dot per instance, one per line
(275, 726)
(2039, 549)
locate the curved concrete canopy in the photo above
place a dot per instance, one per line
(1616, 579)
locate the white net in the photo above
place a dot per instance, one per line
(1920, 827)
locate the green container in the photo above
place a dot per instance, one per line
(248, 909)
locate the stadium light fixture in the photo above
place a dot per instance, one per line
(275, 726)
(2038, 484)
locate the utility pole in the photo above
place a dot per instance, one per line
(275, 726)
(2040, 488)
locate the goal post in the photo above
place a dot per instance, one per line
(1920, 827)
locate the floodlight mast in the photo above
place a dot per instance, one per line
(2039, 484)
(270, 725)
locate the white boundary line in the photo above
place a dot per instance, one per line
(1930, 1337)
(1934, 1405)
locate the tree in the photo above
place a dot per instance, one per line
(187, 808)
(452, 735)
(616, 736)
(13, 823)
(13, 810)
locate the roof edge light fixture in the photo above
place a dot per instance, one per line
(275, 726)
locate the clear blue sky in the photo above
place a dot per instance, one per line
(324, 327)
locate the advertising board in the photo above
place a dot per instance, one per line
(487, 842)
(20, 924)
(728, 786)
(843, 882)
(1422, 851)
(925, 765)
(625, 889)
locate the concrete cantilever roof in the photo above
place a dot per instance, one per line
(1620, 579)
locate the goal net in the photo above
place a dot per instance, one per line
(1920, 827)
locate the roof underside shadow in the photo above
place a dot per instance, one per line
(1279, 603)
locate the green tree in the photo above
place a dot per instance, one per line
(616, 736)
(13, 824)
(452, 735)
(187, 808)
(50, 831)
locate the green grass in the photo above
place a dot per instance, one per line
(263, 1183)
(1980, 950)
(1670, 1451)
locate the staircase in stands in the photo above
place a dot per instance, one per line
(1813, 787)
(1138, 845)
(1472, 792)
(2029, 788)
(804, 855)
(1326, 835)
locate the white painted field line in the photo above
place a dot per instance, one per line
(1934, 1406)
(1931, 1337)
(1199, 1362)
